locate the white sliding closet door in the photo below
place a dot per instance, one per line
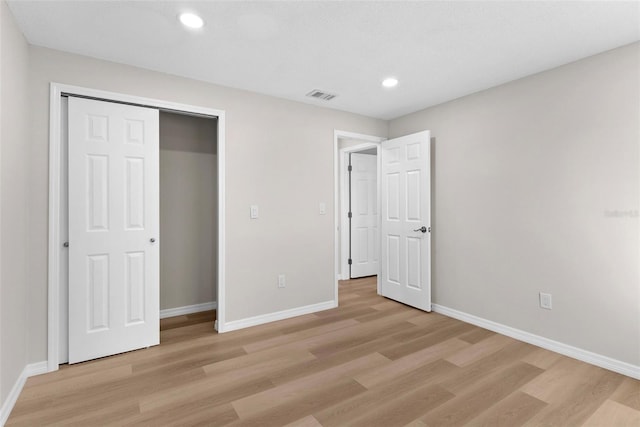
(113, 228)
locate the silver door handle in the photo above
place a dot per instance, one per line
(423, 229)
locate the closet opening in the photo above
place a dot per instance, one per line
(188, 218)
(137, 194)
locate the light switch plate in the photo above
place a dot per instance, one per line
(545, 301)
(323, 208)
(254, 211)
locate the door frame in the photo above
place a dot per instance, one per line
(341, 221)
(56, 199)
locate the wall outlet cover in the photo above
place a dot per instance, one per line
(545, 301)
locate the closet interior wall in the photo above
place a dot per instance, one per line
(188, 206)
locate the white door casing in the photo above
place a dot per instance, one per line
(405, 207)
(364, 215)
(113, 228)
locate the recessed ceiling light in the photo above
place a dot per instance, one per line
(191, 20)
(390, 82)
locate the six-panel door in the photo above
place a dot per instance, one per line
(364, 218)
(405, 204)
(113, 228)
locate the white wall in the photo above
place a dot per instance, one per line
(536, 188)
(188, 210)
(279, 155)
(14, 190)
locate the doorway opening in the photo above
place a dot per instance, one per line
(357, 205)
(362, 213)
(188, 214)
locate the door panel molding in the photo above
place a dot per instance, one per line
(57, 173)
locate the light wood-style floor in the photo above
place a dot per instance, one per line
(370, 362)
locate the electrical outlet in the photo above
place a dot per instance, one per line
(281, 281)
(545, 301)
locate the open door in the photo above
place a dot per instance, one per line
(364, 215)
(405, 193)
(113, 228)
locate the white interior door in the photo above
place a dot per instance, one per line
(113, 228)
(406, 221)
(364, 215)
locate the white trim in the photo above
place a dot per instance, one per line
(279, 315)
(188, 309)
(37, 368)
(222, 251)
(54, 228)
(28, 371)
(337, 167)
(596, 359)
(55, 242)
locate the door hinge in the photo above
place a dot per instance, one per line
(350, 261)
(429, 229)
(350, 168)
(349, 214)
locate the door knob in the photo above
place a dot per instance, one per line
(423, 229)
(152, 240)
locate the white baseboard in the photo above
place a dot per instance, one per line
(38, 368)
(28, 371)
(596, 359)
(279, 315)
(188, 309)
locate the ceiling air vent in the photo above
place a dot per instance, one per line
(318, 94)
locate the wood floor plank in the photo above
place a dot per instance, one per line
(612, 413)
(198, 412)
(406, 408)
(368, 362)
(89, 397)
(542, 358)
(356, 339)
(479, 350)
(299, 334)
(482, 396)
(628, 393)
(203, 390)
(261, 401)
(397, 387)
(187, 319)
(586, 397)
(487, 368)
(71, 385)
(512, 411)
(426, 340)
(289, 410)
(410, 362)
(93, 413)
(559, 381)
(308, 421)
(476, 335)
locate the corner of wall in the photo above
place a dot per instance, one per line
(14, 192)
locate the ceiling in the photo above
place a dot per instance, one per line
(438, 50)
